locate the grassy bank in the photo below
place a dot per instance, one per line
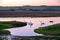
(4, 32)
(49, 30)
(11, 24)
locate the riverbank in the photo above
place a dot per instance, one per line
(4, 32)
(11, 24)
(34, 38)
(53, 30)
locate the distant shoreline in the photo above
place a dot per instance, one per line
(30, 14)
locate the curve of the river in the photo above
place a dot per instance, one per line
(29, 29)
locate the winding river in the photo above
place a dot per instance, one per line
(29, 29)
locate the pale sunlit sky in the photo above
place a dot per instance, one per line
(29, 2)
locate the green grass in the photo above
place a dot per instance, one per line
(49, 30)
(11, 24)
(4, 32)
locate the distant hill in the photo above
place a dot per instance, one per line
(30, 8)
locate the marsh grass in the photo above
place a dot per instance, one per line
(11, 24)
(49, 30)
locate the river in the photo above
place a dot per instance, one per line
(29, 30)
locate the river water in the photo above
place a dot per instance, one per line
(29, 30)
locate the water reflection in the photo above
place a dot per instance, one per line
(36, 23)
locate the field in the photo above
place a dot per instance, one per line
(30, 14)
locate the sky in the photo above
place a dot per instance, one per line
(29, 2)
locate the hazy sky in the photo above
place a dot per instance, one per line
(28, 2)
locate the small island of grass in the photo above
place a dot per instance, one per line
(49, 30)
(11, 24)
